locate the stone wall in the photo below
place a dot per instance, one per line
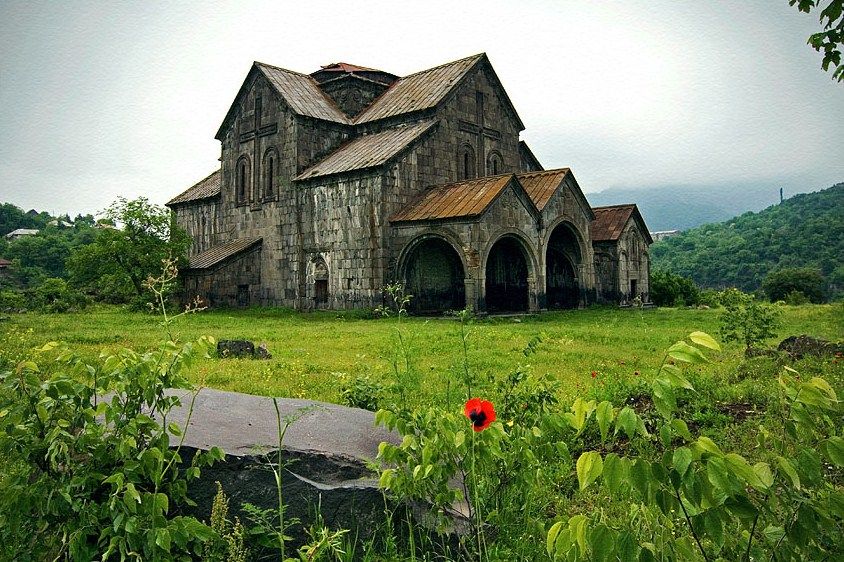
(618, 263)
(202, 221)
(235, 282)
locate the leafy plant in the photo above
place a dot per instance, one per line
(363, 392)
(748, 321)
(697, 501)
(778, 284)
(111, 486)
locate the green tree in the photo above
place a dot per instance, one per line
(120, 260)
(832, 37)
(746, 320)
(778, 284)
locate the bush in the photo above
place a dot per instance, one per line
(796, 298)
(710, 298)
(54, 295)
(747, 320)
(363, 392)
(12, 301)
(670, 289)
(778, 284)
(72, 487)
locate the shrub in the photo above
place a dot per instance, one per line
(748, 321)
(710, 298)
(796, 298)
(363, 392)
(54, 295)
(778, 284)
(670, 289)
(91, 476)
(12, 301)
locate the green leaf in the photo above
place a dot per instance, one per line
(577, 525)
(785, 465)
(773, 534)
(740, 467)
(602, 543)
(705, 444)
(589, 467)
(682, 460)
(640, 476)
(763, 472)
(551, 539)
(627, 421)
(834, 449)
(664, 399)
(174, 429)
(459, 439)
(704, 339)
(681, 351)
(162, 539)
(616, 472)
(604, 416)
(681, 428)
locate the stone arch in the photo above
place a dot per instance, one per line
(466, 162)
(509, 271)
(494, 163)
(563, 260)
(578, 235)
(433, 270)
(269, 173)
(242, 178)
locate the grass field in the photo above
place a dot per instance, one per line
(316, 354)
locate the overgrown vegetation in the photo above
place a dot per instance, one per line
(565, 387)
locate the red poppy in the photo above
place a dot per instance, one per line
(480, 412)
(594, 374)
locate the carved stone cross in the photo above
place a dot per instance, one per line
(258, 130)
(480, 130)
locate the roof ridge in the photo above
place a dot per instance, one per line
(616, 206)
(543, 172)
(259, 63)
(477, 56)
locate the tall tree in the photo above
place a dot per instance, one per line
(131, 252)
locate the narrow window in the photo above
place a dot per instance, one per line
(270, 178)
(241, 181)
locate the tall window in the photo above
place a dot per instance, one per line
(493, 164)
(466, 163)
(242, 179)
(270, 159)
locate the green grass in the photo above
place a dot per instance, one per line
(316, 354)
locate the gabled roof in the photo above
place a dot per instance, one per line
(469, 198)
(610, 221)
(368, 151)
(542, 185)
(204, 189)
(5, 263)
(217, 254)
(426, 89)
(299, 91)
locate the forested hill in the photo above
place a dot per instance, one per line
(684, 207)
(804, 231)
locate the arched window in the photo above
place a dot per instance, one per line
(242, 179)
(494, 164)
(270, 163)
(466, 163)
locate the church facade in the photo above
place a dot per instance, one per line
(333, 185)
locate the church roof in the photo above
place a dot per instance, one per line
(610, 221)
(368, 151)
(302, 94)
(467, 198)
(204, 189)
(419, 91)
(217, 254)
(542, 185)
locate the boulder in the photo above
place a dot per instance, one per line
(235, 348)
(325, 455)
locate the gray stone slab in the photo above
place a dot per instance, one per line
(245, 424)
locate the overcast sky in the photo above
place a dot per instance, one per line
(100, 99)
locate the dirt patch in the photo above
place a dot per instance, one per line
(739, 411)
(799, 346)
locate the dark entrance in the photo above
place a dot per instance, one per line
(563, 254)
(434, 277)
(506, 277)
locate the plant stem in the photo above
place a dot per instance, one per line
(278, 482)
(689, 521)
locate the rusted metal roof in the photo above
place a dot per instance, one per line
(218, 254)
(346, 67)
(610, 221)
(204, 189)
(463, 199)
(5, 263)
(302, 94)
(419, 91)
(368, 151)
(542, 185)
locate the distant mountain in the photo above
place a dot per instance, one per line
(806, 230)
(684, 207)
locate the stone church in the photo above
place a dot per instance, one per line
(336, 183)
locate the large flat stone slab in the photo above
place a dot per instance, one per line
(325, 454)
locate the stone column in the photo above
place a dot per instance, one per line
(532, 296)
(471, 292)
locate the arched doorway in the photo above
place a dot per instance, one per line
(434, 277)
(561, 260)
(506, 277)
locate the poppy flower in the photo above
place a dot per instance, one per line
(480, 412)
(594, 374)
